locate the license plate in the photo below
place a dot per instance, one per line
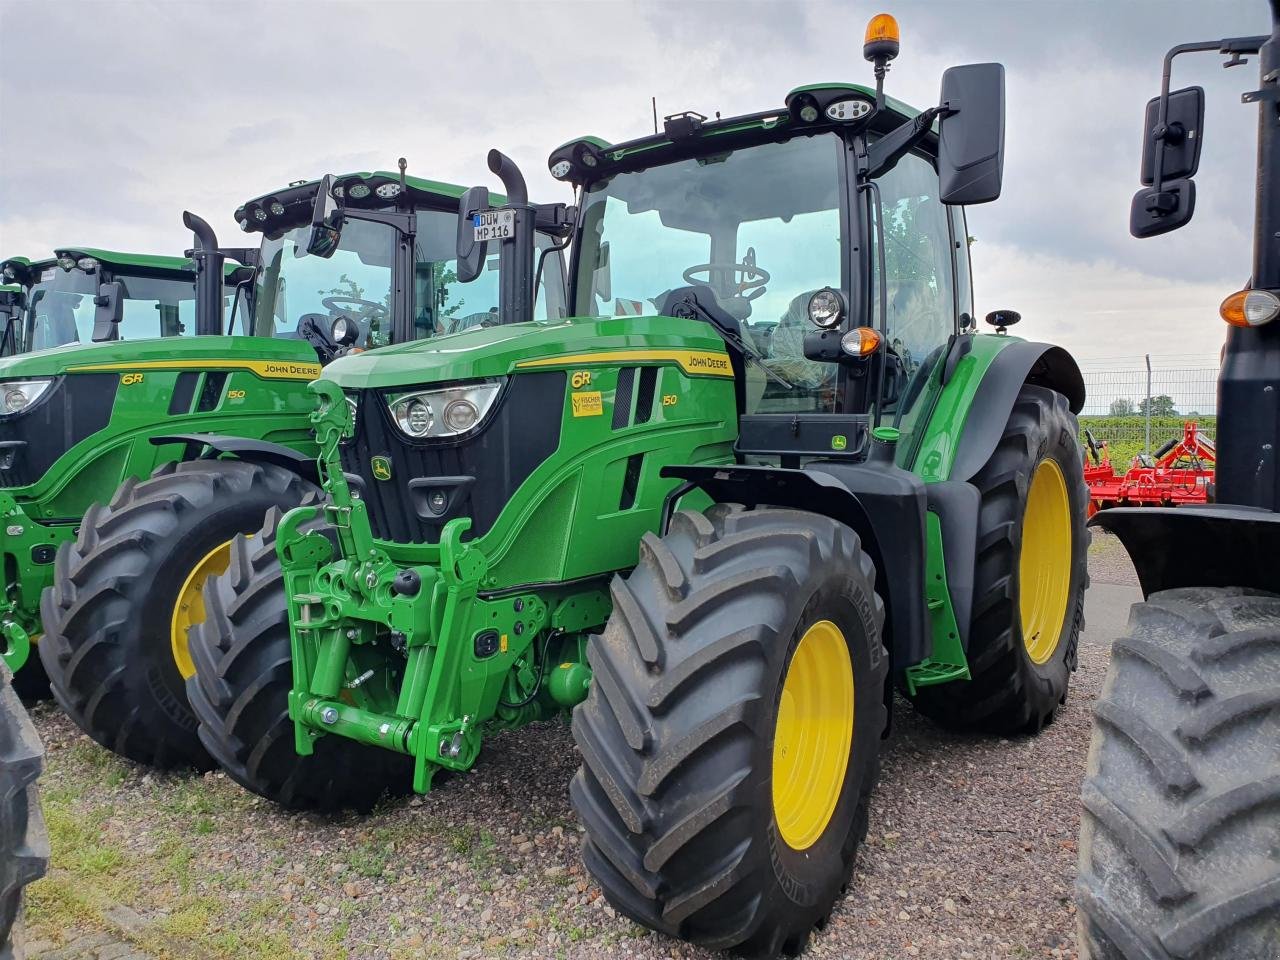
(494, 225)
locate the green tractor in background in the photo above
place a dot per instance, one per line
(764, 472)
(141, 458)
(1180, 830)
(70, 300)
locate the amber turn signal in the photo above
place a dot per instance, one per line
(1250, 308)
(860, 342)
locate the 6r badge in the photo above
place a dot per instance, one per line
(381, 468)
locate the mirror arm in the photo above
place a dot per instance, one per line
(884, 154)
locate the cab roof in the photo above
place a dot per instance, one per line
(297, 199)
(688, 132)
(116, 259)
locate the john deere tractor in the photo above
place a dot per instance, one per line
(142, 458)
(763, 473)
(1180, 833)
(70, 300)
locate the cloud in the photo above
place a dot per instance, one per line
(118, 116)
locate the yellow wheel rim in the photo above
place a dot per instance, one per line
(188, 609)
(813, 736)
(1044, 568)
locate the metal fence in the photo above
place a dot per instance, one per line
(1137, 410)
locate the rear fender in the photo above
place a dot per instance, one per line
(208, 445)
(1214, 545)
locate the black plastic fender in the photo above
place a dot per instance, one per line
(1211, 545)
(247, 449)
(883, 503)
(1020, 363)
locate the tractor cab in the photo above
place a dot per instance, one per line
(363, 260)
(85, 295)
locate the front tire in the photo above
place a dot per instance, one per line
(731, 736)
(1180, 836)
(1030, 575)
(240, 693)
(24, 842)
(127, 589)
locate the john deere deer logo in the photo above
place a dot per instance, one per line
(381, 468)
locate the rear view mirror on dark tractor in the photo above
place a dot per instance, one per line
(971, 134)
(1170, 158)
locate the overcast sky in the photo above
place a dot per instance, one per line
(117, 116)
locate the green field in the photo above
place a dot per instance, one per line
(1126, 436)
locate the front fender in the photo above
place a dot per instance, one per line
(247, 449)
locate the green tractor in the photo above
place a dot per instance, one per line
(764, 472)
(141, 459)
(1180, 831)
(68, 301)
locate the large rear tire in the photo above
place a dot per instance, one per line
(1180, 836)
(1030, 575)
(731, 736)
(240, 693)
(24, 843)
(129, 586)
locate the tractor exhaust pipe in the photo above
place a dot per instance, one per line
(209, 263)
(505, 169)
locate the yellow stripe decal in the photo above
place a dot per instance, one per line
(695, 362)
(267, 369)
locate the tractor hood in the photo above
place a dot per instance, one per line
(160, 353)
(500, 350)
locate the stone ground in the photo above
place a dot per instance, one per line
(971, 853)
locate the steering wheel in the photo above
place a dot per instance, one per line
(370, 308)
(752, 284)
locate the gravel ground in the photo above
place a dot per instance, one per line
(971, 854)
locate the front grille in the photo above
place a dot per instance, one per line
(73, 408)
(478, 474)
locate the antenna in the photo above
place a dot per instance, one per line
(655, 113)
(404, 165)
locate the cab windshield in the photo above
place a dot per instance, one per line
(61, 307)
(356, 281)
(759, 227)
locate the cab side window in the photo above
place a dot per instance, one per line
(919, 268)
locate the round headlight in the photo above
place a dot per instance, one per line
(246, 226)
(87, 264)
(808, 113)
(15, 400)
(338, 191)
(277, 208)
(67, 263)
(561, 169)
(416, 417)
(389, 191)
(461, 415)
(259, 214)
(826, 308)
(9, 273)
(358, 191)
(344, 331)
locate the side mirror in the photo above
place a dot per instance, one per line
(471, 252)
(971, 134)
(1158, 211)
(108, 311)
(326, 222)
(1178, 141)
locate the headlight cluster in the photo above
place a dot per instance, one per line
(442, 413)
(17, 395)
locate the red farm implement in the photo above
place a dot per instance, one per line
(1180, 472)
